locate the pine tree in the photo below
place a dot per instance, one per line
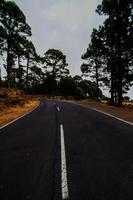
(55, 66)
(13, 26)
(119, 37)
(94, 58)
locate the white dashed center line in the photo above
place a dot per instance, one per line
(64, 183)
(58, 108)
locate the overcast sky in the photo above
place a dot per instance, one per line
(62, 24)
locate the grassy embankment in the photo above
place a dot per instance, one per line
(13, 103)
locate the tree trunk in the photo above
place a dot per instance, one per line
(97, 81)
(112, 86)
(0, 78)
(8, 64)
(27, 74)
(8, 55)
(119, 62)
(116, 98)
(112, 76)
(19, 74)
(120, 75)
(120, 96)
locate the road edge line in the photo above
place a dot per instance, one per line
(113, 116)
(64, 182)
(105, 113)
(11, 122)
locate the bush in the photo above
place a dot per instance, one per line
(79, 94)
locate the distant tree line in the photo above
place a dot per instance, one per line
(28, 71)
(109, 56)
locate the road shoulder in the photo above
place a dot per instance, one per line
(122, 114)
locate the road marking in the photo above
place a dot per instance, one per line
(105, 113)
(64, 183)
(58, 108)
(19, 117)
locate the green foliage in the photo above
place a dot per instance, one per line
(13, 27)
(78, 88)
(50, 84)
(67, 86)
(55, 68)
(79, 94)
(118, 39)
(55, 63)
(126, 98)
(109, 57)
(90, 89)
(94, 58)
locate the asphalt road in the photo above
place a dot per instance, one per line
(61, 151)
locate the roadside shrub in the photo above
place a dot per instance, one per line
(79, 94)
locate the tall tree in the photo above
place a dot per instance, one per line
(36, 80)
(94, 58)
(119, 38)
(30, 55)
(55, 65)
(13, 24)
(19, 50)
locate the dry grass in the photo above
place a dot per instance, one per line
(13, 103)
(10, 113)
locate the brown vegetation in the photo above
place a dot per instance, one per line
(14, 103)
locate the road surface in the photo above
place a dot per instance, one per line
(64, 151)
